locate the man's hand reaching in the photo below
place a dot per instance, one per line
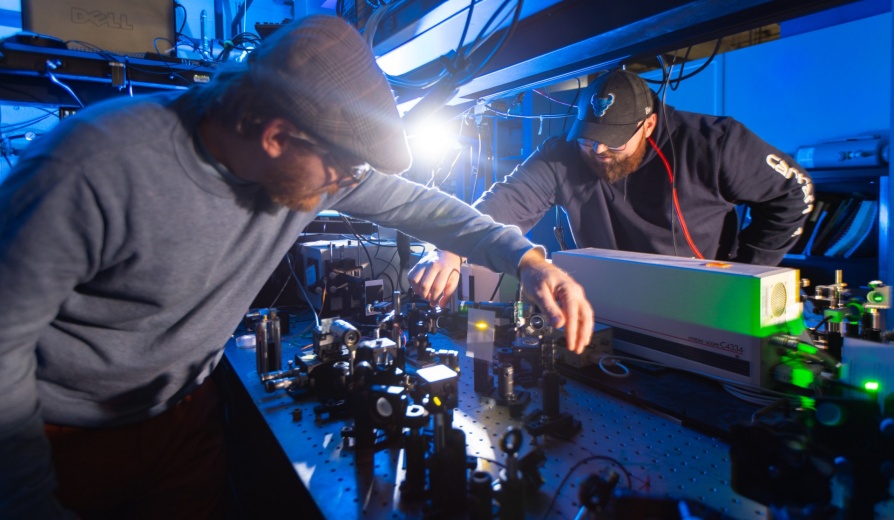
(436, 276)
(559, 296)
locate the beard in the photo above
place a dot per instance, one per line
(288, 186)
(616, 168)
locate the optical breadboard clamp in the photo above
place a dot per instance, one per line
(708, 316)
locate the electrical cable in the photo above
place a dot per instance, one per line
(281, 289)
(182, 25)
(497, 288)
(450, 171)
(573, 105)
(663, 96)
(12, 127)
(674, 85)
(559, 231)
(379, 245)
(606, 361)
(520, 116)
(369, 33)
(167, 52)
(719, 379)
(391, 265)
(303, 291)
(390, 262)
(551, 99)
(243, 42)
(702, 67)
(580, 463)
(499, 46)
(63, 86)
(796, 346)
(665, 84)
(476, 168)
(372, 268)
(676, 203)
(459, 151)
(748, 396)
(462, 38)
(549, 110)
(241, 17)
(665, 77)
(389, 280)
(455, 61)
(195, 45)
(118, 58)
(822, 322)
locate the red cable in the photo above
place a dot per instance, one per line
(670, 174)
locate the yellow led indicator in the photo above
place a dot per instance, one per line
(872, 386)
(481, 325)
(436, 400)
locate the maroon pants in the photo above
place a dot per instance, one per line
(170, 466)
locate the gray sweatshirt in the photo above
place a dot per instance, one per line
(126, 262)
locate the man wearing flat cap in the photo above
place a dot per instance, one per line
(134, 237)
(636, 175)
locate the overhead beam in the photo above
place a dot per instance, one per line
(559, 40)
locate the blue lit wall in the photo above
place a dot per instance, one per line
(818, 86)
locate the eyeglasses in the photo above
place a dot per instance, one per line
(348, 175)
(589, 143)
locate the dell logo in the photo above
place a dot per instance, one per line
(99, 19)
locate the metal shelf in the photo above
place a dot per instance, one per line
(857, 271)
(848, 175)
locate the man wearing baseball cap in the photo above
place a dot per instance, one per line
(637, 175)
(134, 237)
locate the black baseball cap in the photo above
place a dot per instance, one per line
(611, 107)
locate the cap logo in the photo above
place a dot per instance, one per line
(600, 105)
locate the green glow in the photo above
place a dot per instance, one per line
(834, 315)
(872, 386)
(795, 374)
(876, 297)
(738, 316)
(807, 349)
(801, 377)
